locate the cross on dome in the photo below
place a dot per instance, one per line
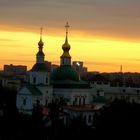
(41, 29)
(67, 27)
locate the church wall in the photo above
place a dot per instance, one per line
(87, 116)
(47, 92)
(74, 96)
(39, 78)
(24, 102)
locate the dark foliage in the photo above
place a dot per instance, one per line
(119, 119)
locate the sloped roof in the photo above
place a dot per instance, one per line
(35, 91)
(40, 67)
(66, 72)
(100, 99)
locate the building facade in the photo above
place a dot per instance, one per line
(63, 84)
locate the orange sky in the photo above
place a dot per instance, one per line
(104, 34)
(98, 53)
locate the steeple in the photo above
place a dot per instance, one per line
(40, 55)
(66, 58)
(40, 43)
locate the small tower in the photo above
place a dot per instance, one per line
(40, 55)
(65, 57)
(39, 73)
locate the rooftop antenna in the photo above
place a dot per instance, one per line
(121, 68)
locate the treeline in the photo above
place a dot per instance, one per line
(119, 118)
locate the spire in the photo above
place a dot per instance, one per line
(40, 43)
(66, 46)
(41, 33)
(40, 55)
(66, 58)
(67, 27)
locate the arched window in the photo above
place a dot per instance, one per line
(37, 102)
(79, 101)
(75, 100)
(34, 80)
(46, 102)
(85, 118)
(89, 119)
(84, 100)
(46, 80)
(24, 101)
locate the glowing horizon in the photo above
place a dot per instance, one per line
(97, 53)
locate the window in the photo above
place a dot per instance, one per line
(85, 117)
(75, 100)
(24, 101)
(46, 79)
(89, 119)
(37, 102)
(79, 101)
(34, 80)
(46, 102)
(84, 100)
(123, 90)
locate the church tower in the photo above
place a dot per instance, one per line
(39, 74)
(40, 55)
(66, 58)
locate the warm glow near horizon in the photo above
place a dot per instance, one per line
(98, 54)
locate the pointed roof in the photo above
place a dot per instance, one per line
(66, 46)
(40, 43)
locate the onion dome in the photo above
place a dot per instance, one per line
(66, 76)
(40, 45)
(40, 64)
(65, 72)
(66, 46)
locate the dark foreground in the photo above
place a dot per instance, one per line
(118, 119)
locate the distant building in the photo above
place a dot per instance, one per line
(78, 66)
(13, 76)
(49, 65)
(62, 85)
(11, 82)
(54, 67)
(14, 69)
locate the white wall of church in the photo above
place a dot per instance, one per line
(47, 92)
(37, 78)
(24, 99)
(24, 102)
(74, 96)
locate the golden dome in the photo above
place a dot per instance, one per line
(66, 46)
(40, 43)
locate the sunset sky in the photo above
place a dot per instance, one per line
(103, 33)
